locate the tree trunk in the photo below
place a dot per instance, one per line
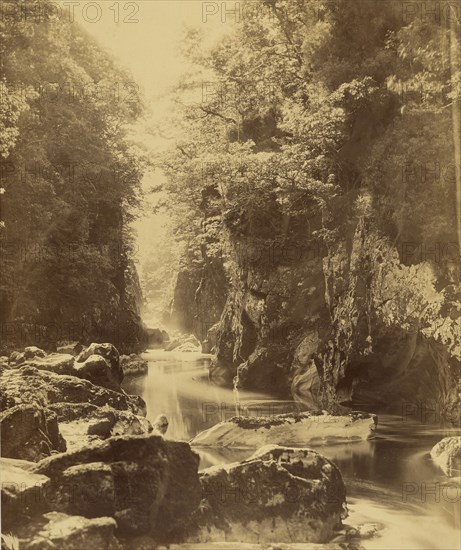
(455, 67)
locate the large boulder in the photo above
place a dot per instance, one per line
(30, 432)
(57, 531)
(110, 353)
(147, 484)
(287, 429)
(279, 494)
(96, 369)
(447, 455)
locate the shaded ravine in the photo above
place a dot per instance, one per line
(391, 480)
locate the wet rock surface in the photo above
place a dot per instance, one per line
(280, 493)
(447, 455)
(30, 385)
(23, 492)
(84, 468)
(146, 483)
(287, 429)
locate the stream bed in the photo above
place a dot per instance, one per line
(390, 479)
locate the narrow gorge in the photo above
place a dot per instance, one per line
(230, 275)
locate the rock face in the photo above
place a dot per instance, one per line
(30, 432)
(287, 328)
(279, 494)
(146, 483)
(199, 294)
(183, 306)
(447, 455)
(276, 295)
(287, 429)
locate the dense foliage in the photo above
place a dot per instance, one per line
(70, 181)
(333, 124)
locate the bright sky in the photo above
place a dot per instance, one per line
(146, 40)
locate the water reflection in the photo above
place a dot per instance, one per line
(390, 479)
(177, 385)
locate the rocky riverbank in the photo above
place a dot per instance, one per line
(82, 467)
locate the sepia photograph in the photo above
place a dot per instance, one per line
(230, 274)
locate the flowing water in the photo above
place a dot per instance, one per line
(390, 479)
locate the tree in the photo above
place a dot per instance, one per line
(73, 180)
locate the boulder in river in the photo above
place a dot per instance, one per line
(161, 424)
(296, 429)
(279, 494)
(133, 364)
(34, 402)
(447, 455)
(156, 337)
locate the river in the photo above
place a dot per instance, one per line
(390, 479)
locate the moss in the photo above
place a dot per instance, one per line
(255, 422)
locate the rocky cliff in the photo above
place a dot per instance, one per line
(302, 320)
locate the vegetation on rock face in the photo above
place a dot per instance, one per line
(318, 168)
(70, 182)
